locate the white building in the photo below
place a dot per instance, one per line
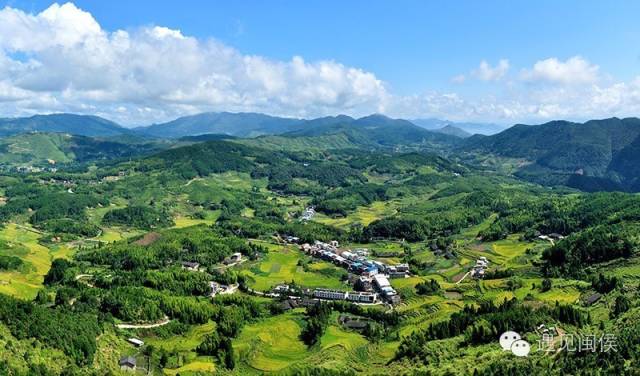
(329, 294)
(362, 297)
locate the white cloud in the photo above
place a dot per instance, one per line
(62, 60)
(486, 72)
(156, 73)
(459, 79)
(574, 70)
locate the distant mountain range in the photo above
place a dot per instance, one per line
(374, 131)
(246, 124)
(468, 127)
(83, 125)
(596, 155)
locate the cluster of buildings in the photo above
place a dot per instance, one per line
(373, 275)
(356, 261)
(308, 214)
(480, 268)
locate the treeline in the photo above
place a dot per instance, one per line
(233, 312)
(203, 244)
(573, 254)
(10, 263)
(342, 200)
(317, 320)
(142, 217)
(483, 324)
(421, 228)
(549, 213)
(73, 333)
(52, 209)
(259, 228)
(281, 174)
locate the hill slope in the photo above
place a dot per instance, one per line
(574, 153)
(469, 127)
(234, 124)
(39, 149)
(375, 131)
(83, 125)
(453, 131)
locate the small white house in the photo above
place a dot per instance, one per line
(136, 342)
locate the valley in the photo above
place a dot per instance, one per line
(249, 254)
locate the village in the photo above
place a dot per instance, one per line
(371, 277)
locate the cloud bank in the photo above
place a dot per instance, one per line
(62, 60)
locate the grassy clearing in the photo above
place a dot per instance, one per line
(363, 214)
(200, 365)
(184, 343)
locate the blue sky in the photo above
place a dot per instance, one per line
(423, 53)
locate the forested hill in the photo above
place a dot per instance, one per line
(83, 125)
(234, 124)
(596, 155)
(48, 149)
(376, 131)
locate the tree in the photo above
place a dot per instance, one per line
(621, 306)
(57, 272)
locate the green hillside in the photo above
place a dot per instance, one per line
(596, 151)
(51, 149)
(84, 125)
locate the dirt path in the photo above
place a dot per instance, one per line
(165, 321)
(463, 277)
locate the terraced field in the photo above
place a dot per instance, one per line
(23, 243)
(281, 266)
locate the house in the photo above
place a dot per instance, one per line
(188, 265)
(289, 304)
(128, 363)
(402, 267)
(291, 239)
(136, 342)
(592, 299)
(235, 257)
(352, 322)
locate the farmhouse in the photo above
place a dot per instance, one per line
(479, 269)
(352, 322)
(188, 265)
(308, 214)
(128, 363)
(235, 257)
